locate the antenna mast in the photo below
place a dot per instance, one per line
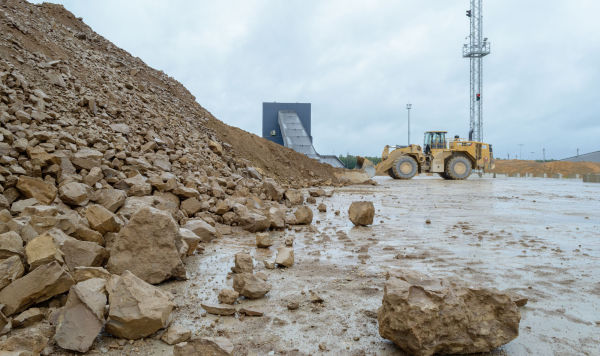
(477, 48)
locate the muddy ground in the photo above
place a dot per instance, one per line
(536, 237)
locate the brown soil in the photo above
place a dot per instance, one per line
(538, 168)
(283, 164)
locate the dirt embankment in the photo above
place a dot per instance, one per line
(539, 168)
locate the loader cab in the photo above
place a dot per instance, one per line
(435, 140)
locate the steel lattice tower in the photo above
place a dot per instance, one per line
(477, 48)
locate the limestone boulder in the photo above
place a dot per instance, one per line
(81, 274)
(137, 309)
(255, 222)
(250, 286)
(81, 319)
(263, 240)
(228, 296)
(425, 316)
(87, 158)
(218, 346)
(276, 218)
(74, 194)
(202, 229)
(10, 270)
(147, 247)
(361, 213)
(42, 250)
(101, 219)
(304, 215)
(78, 253)
(26, 342)
(44, 192)
(243, 263)
(111, 199)
(285, 256)
(176, 334)
(191, 240)
(295, 197)
(11, 244)
(272, 189)
(35, 287)
(191, 206)
(29, 317)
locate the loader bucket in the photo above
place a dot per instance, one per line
(366, 166)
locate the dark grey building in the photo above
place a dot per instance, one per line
(288, 124)
(270, 124)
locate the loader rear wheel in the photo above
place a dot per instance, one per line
(458, 167)
(404, 167)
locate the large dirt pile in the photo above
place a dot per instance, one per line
(539, 168)
(106, 162)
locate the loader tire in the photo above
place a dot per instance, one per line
(458, 168)
(391, 173)
(443, 175)
(404, 167)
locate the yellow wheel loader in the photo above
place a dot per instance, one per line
(451, 160)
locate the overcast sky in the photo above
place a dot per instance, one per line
(360, 62)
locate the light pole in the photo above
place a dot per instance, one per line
(520, 151)
(408, 107)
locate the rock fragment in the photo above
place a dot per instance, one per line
(250, 286)
(146, 247)
(137, 309)
(82, 318)
(204, 230)
(263, 240)
(37, 188)
(243, 263)
(304, 215)
(74, 194)
(218, 346)
(228, 296)
(176, 334)
(42, 284)
(219, 309)
(11, 244)
(10, 269)
(285, 257)
(101, 219)
(361, 213)
(28, 317)
(444, 317)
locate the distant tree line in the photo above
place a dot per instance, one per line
(349, 161)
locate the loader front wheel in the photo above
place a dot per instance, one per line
(458, 167)
(404, 167)
(391, 173)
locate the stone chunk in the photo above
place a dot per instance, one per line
(28, 317)
(228, 296)
(190, 238)
(304, 215)
(250, 286)
(322, 208)
(243, 263)
(176, 334)
(137, 309)
(42, 250)
(191, 206)
(424, 316)
(35, 287)
(37, 188)
(263, 240)
(204, 230)
(75, 194)
(285, 256)
(87, 158)
(294, 196)
(11, 244)
(10, 269)
(254, 222)
(78, 253)
(146, 246)
(84, 273)
(219, 309)
(82, 318)
(101, 219)
(252, 311)
(218, 346)
(111, 199)
(272, 189)
(361, 213)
